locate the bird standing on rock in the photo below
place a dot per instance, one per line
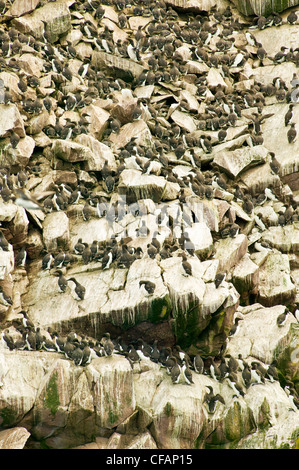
(148, 285)
(79, 289)
(62, 282)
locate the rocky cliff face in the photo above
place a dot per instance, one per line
(149, 191)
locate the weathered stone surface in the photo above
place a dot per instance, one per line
(98, 120)
(284, 239)
(137, 129)
(10, 119)
(36, 124)
(56, 231)
(14, 438)
(258, 335)
(7, 263)
(100, 153)
(235, 162)
(63, 405)
(31, 64)
(246, 275)
(229, 252)
(136, 185)
(125, 69)
(71, 151)
(193, 5)
(58, 20)
(21, 7)
(261, 7)
(275, 285)
(278, 140)
(183, 120)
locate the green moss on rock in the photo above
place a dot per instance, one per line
(51, 398)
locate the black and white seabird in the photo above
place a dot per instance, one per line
(5, 299)
(219, 279)
(186, 266)
(274, 164)
(272, 373)
(148, 285)
(6, 336)
(26, 322)
(132, 355)
(47, 261)
(175, 371)
(246, 375)
(234, 384)
(107, 344)
(292, 133)
(281, 319)
(235, 327)
(187, 373)
(21, 257)
(79, 247)
(257, 375)
(29, 203)
(62, 282)
(211, 399)
(79, 289)
(4, 245)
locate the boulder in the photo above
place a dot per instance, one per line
(100, 153)
(259, 336)
(56, 231)
(31, 64)
(136, 185)
(245, 276)
(126, 69)
(275, 284)
(10, 119)
(137, 129)
(230, 251)
(14, 438)
(234, 162)
(262, 7)
(283, 238)
(98, 120)
(183, 120)
(21, 7)
(58, 20)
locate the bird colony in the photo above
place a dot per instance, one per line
(149, 210)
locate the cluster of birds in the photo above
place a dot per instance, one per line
(210, 38)
(236, 372)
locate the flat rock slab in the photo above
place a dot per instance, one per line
(284, 34)
(70, 151)
(246, 275)
(183, 120)
(257, 181)
(56, 231)
(230, 251)
(57, 19)
(195, 6)
(125, 69)
(21, 7)
(275, 284)
(234, 162)
(10, 119)
(286, 154)
(137, 129)
(258, 334)
(263, 7)
(136, 185)
(101, 153)
(14, 438)
(284, 239)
